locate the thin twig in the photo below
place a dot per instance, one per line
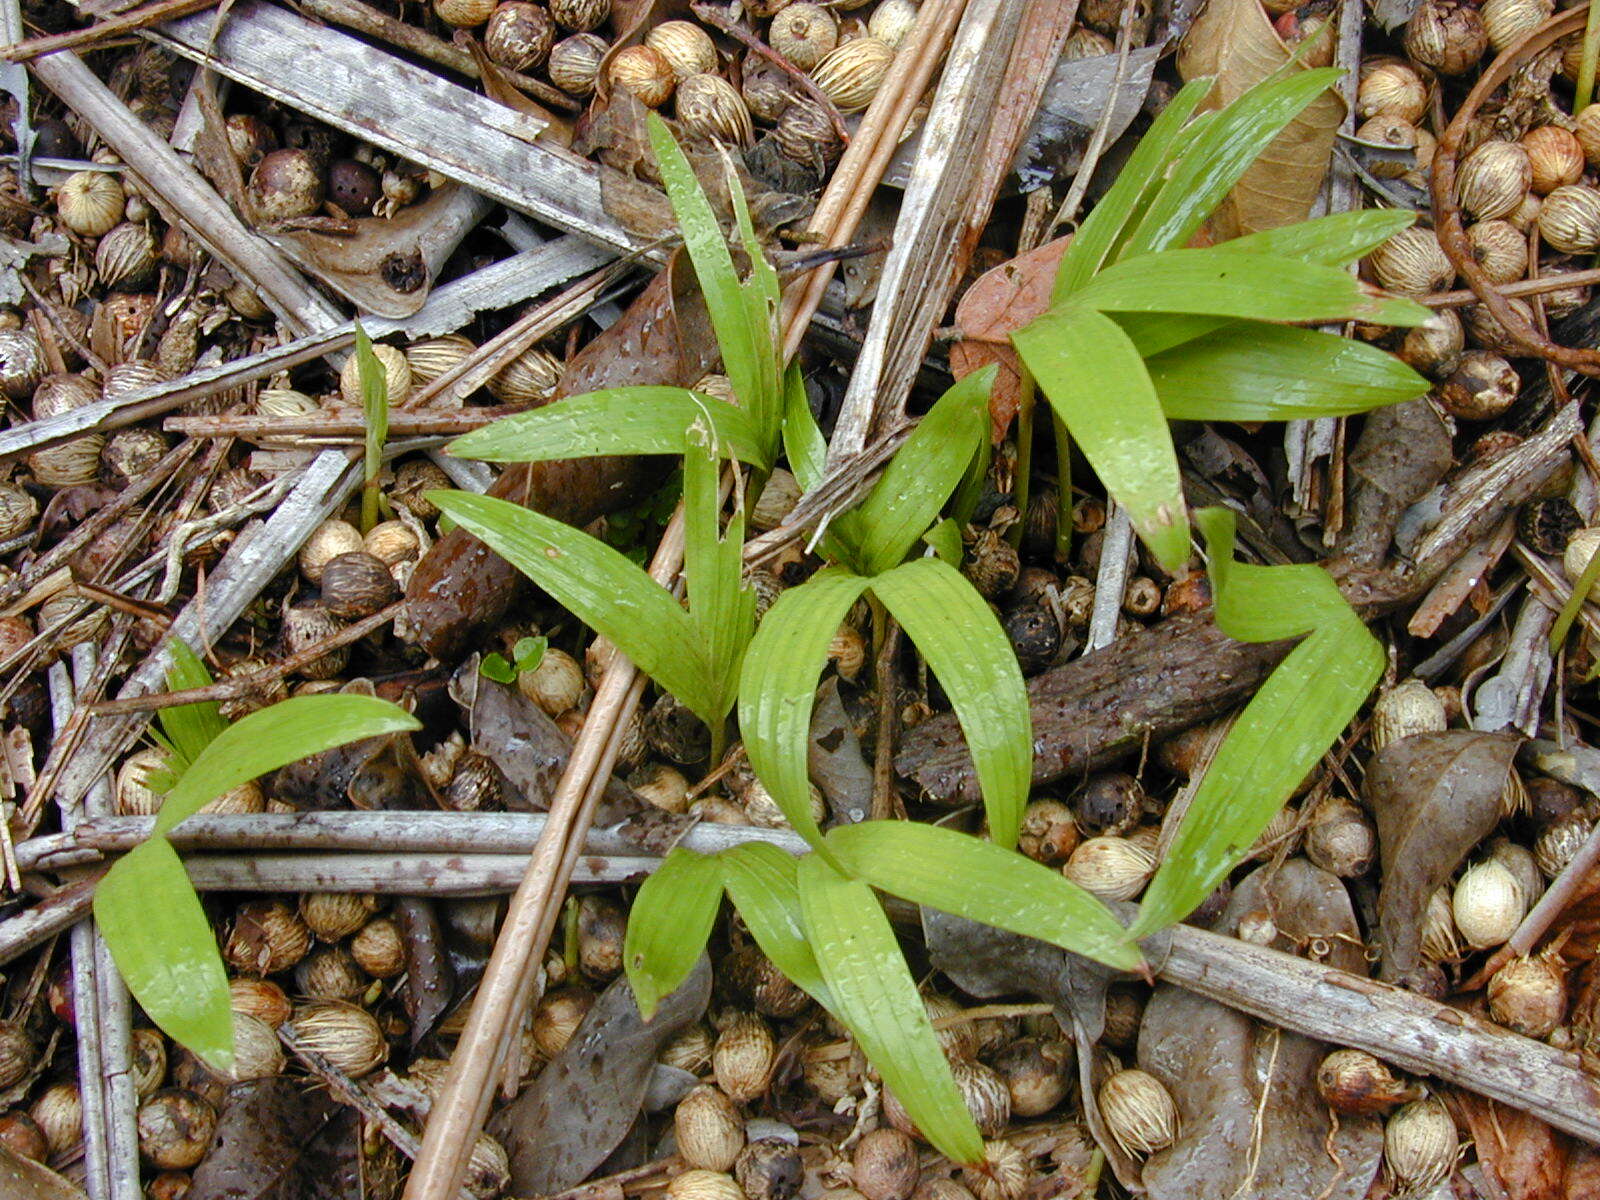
(128, 22)
(243, 685)
(1523, 287)
(1068, 212)
(339, 423)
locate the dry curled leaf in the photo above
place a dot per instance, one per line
(1434, 797)
(23, 1179)
(1521, 1152)
(1403, 451)
(1233, 41)
(1252, 1126)
(586, 1100)
(277, 1138)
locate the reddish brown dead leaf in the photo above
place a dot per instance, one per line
(1001, 301)
(1583, 1174)
(1526, 1156)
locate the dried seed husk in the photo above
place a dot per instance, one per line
(1420, 1145)
(645, 72)
(327, 542)
(1353, 1082)
(1340, 838)
(1500, 251)
(1004, 1174)
(1447, 35)
(147, 1061)
(1486, 904)
(1412, 263)
(1529, 995)
(769, 1169)
(464, 14)
(1049, 832)
(602, 926)
(1138, 1111)
(686, 47)
(356, 585)
(697, 1184)
(1395, 133)
(18, 511)
(307, 625)
(557, 1017)
(330, 973)
(892, 20)
(1559, 841)
(575, 63)
(333, 916)
(131, 453)
(286, 184)
(488, 1172)
(853, 72)
(396, 371)
(126, 257)
(1393, 87)
(530, 378)
(519, 36)
(1587, 130)
(70, 464)
(175, 1128)
(1494, 179)
(267, 937)
(884, 1165)
(18, 1053)
(1112, 868)
(767, 91)
(1434, 347)
(261, 999)
(90, 203)
(1439, 929)
(1482, 387)
(762, 810)
(57, 394)
(58, 1112)
(555, 685)
(1508, 21)
(1486, 332)
(392, 543)
(256, 1052)
(1037, 1074)
(1555, 157)
(379, 948)
(413, 479)
(710, 107)
(345, 1036)
(432, 357)
(1569, 219)
(688, 1050)
(22, 363)
(663, 787)
(804, 33)
(743, 1057)
(582, 15)
(709, 1129)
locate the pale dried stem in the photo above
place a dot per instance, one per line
(862, 165)
(122, 23)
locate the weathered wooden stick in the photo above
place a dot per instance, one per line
(1400, 1027)
(345, 424)
(128, 22)
(435, 833)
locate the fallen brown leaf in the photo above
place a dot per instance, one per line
(1526, 1156)
(1233, 41)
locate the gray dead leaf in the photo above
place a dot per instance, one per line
(23, 1179)
(14, 256)
(1433, 796)
(835, 761)
(1252, 1125)
(527, 746)
(1392, 14)
(1077, 96)
(586, 1100)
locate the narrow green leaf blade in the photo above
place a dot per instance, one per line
(968, 877)
(924, 472)
(954, 629)
(877, 1001)
(762, 882)
(635, 420)
(1096, 381)
(1336, 240)
(1250, 371)
(807, 452)
(777, 688)
(274, 737)
(188, 728)
(375, 410)
(721, 608)
(669, 924)
(164, 949)
(1229, 283)
(598, 584)
(1281, 734)
(1215, 160)
(1123, 203)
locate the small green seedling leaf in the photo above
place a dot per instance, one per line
(762, 881)
(778, 687)
(1285, 729)
(529, 653)
(495, 667)
(186, 729)
(375, 411)
(1096, 381)
(876, 999)
(966, 877)
(165, 950)
(669, 925)
(954, 629)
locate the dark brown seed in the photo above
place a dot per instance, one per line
(356, 585)
(1547, 525)
(769, 1169)
(1109, 803)
(354, 186)
(1035, 637)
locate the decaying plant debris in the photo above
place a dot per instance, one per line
(422, 915)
